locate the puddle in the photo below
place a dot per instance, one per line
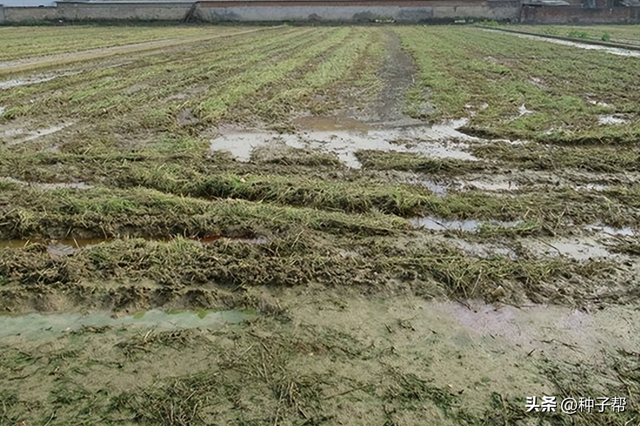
(326, 124)
(424, 140)
(37, 324)
(555, 332)
(578, 249)
(117, 65)
(48, 186)
(72, 185)
(469, 225)
(44, 132)
(30, 135)
(525, 327)
(435, 187)
(23, 82)
(484, 319)
(13, 132)
(34, 80)
(611, 120)
(562, 333)
(592, 187)
(586, 46)
(242, 144)
(522, 110)
(2, 110)
(62, 247)
(466, 342)
(627, 231)
(537, 82)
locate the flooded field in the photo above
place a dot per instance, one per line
(623, 34)
(336, 137)
(379, 225)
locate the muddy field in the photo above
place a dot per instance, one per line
(624, 34)
(377, 225)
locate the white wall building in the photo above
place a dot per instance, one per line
(25, 3)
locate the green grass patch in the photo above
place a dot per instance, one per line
(488, 77)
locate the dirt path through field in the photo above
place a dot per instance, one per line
(86, 55)
(398, 74)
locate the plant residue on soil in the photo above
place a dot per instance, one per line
(398, 225)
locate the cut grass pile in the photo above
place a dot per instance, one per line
(149, 213)
(380, 160)
(173, 200)
(140, 141)
(301, 259)
(354, 196)
(535, 156)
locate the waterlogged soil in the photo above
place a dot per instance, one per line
(37, 326)
(611, 119)
(47, 185)
(345, 136)
(398, 74)
(583, 248)
(8, 84)
(345, 359)
(469, 225)
(482, 183)
(12, 136)
(354, 266)
(586, 45)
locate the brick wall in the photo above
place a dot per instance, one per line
(26, 14)
(578, 15)
(357, 11)
(83, 11)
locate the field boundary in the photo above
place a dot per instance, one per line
(571, 39)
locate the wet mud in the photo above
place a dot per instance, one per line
(470, 225)
(16, 136)
(398, 74)
(443, 360)
(34, 80)
(38, 326)
(285, 278)
(344, 137)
